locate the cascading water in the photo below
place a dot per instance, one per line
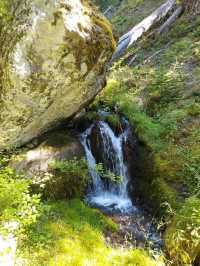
(111, 196)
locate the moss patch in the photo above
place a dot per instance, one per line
(70, 233)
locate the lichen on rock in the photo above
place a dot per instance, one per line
(55, 69)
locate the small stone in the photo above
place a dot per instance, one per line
(84, 68)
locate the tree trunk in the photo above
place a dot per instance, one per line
(136, 32)
(192, 6)
(165, 27)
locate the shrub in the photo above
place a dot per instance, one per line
(67, 179)
(16, 201)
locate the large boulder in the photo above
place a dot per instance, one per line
(56, 166)
(56, 69)
(58, 146)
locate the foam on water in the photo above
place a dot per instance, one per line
(111, 202)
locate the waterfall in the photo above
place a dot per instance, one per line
(109, 195)
(103, 145)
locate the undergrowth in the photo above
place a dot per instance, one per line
(159, 95)
(70, 233)
(182, 237)
(161, 100)
(54, 232)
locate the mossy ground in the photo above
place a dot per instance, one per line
(70, 233)
(127, 13)
(59, 233)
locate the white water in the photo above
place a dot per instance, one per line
(113, 196)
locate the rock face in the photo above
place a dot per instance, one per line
(57, 146)
(51, 181)
(56, 69)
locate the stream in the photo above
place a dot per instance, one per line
(103, 145)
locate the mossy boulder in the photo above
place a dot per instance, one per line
(55, 69)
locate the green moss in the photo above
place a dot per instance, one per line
(120, 97)
(91, 116)
(106, 26)
(113, 120)
(162, 193)
(70, 233)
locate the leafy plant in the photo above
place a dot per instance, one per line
(106, 174)
(192, 171)
(67, 179)
(16, 201)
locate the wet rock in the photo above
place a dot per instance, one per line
(97, 148)
(135, 229)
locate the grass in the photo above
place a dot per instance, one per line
(70, 233)
(183, 235)
(161, 100)
(130, 12)
(127, 13)
(59, 233)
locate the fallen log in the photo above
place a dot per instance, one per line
(136, 32)
(165, 27)
(107, 10)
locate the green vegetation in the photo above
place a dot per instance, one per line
(160, 97)
(104, 4)
(162, 106)
(127, 13)
(17, 203)
(70, 233)
(57, 232)
(114, 121)
(183, 235)
(68, 179)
